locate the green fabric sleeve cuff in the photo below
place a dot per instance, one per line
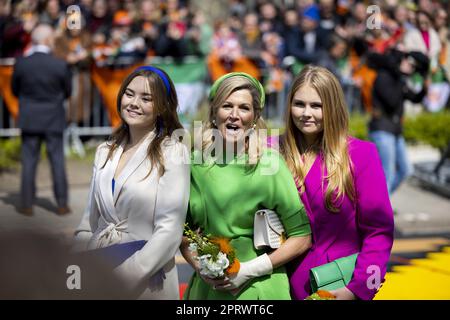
(297, 224)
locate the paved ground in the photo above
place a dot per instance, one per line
(44, 218)
(420, 211)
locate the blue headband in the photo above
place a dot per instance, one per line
(159, 73)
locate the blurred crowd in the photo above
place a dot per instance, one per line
(263, 38)
(105, 31)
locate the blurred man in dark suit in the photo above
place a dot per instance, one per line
(42, 83)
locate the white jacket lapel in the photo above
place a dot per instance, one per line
(135, 161)
(105, 187)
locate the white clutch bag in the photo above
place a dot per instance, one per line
(268, 230)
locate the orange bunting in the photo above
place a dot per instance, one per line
(11, 101)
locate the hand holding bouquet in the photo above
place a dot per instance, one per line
(215, 255)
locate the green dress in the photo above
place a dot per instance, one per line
(223, 202)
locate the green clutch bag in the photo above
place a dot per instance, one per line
(333, 275)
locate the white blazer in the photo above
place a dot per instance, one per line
(152, 209)
(414, 42)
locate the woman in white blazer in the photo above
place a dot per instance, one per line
(424, 39)
(140, 186)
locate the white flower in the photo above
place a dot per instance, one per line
(193, 247)
(211, 268)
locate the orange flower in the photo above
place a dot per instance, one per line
(234, 267)
(325, 294)
(224, 244)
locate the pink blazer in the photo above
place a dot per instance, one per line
(365, 226)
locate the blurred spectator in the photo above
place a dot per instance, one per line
(113, 6)
(441, 26)
(127, 48)
(424, 39)
(335, 60)
(131, 6)
(172, 41)
(199, 36)
(272, 56)
(269, 18)
(17, 28)
(426, 6)
(66, 3)
(99, 20)
(147, 24)
(331, 58)
(175, 11)
(291, 21)
(74, 46)
(328, 16)
(401, 17)
(226, 54)
(251, 41)
(412, 9)
(52, 14)
(305, 43)
(234, 21)
(237, 8)
(86, 7)
(389, 93)
(225, 46)
(42, 83)
(356, 24)
(5, 11)
(387, 36)
(304, 4)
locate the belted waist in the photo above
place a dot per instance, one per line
(110, 235)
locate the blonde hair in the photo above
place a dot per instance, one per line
(333, 140)
(225, 89)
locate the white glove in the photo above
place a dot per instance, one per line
(260, 266)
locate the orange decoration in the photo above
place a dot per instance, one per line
(325, 294)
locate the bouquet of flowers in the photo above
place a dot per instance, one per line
(321, 295)
(215, 254)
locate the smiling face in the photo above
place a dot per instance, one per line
(306, 112)
(137, 108)
(235, 116)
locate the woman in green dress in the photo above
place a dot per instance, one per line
(232, 176)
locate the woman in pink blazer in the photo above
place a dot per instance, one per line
(341, 183)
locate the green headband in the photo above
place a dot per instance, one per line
(254, 81)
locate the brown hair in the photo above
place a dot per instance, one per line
(165, 106)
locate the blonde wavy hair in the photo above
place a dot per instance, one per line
(333, 140)
(254, 144)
